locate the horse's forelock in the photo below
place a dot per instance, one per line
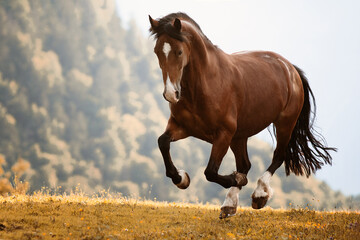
(165, 26)
(169, 29)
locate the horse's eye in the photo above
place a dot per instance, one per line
(179, 53)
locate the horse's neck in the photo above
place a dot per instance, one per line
(202, 62)
(196, 78)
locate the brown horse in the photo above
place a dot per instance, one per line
(225, 99)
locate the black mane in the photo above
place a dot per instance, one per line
(166, 26)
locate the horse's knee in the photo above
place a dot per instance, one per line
(164, 142)
(210, 175)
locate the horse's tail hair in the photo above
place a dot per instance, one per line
(306, 147)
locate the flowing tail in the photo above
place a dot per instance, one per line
(306, 147)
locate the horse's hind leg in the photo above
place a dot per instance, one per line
(173, 133)
(239, 148)
(263, 191)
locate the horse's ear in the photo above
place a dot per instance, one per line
(177, 24)
(154, 23)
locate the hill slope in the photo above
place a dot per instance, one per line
(81, 100)
(79, 217)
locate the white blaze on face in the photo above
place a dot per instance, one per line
(170, 91)
(166, 49)
(169, 86)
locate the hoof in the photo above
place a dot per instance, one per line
(263, 191)
(259, 202)
(185, 180)
(227, 212)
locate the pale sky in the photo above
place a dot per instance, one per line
(321, 37)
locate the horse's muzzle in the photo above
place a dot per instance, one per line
(172, 96)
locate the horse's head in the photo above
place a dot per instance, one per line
(173, 52)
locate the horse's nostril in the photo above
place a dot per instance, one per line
(164, 95)
(177, 94)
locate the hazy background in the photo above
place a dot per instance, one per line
(81, 97)
(321, 37)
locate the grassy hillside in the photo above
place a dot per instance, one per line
(43, 216)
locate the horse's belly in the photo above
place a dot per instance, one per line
(259, 115)
(248, 130)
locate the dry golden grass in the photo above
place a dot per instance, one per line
(18, 169)
(76, 216)
(105, 216)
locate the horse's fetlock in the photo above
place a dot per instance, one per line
(176, 179)
(171, 173)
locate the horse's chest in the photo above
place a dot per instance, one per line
(194, 123)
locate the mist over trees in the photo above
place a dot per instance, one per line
(81, 100)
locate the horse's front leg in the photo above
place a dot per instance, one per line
(218, 151)
(173, 133)
(243, 165)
